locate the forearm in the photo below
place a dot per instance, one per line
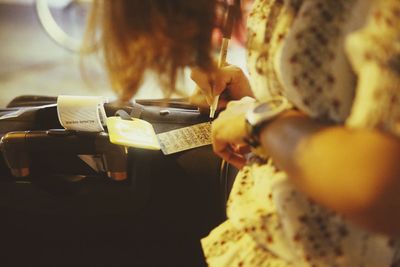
(354, 172)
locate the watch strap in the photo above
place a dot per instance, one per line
(254, 129)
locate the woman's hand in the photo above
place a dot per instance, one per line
(229, 131)
(230, 82)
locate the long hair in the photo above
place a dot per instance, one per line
(159, 35)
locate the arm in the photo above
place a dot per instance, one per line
(350, 169)
(354, 172)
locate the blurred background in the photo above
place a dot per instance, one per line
(33, 62)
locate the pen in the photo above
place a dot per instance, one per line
(226, 36)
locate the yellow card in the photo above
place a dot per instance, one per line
(134, 133)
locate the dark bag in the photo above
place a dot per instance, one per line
(64, 212)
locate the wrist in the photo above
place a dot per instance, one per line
(285, 131)
(260, 115)
(285, 115)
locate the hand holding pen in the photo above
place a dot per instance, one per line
(227, 80)
(230, 81)
(226, 36)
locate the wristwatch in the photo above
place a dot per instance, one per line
(260, 115)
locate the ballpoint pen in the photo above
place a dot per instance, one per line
(226, 36)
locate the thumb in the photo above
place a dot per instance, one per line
(221, 82)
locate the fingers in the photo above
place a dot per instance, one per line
(222, 81)
(226, 152)
(229, 79)
(199, 99)
(203, 81)
(234, 79)
(241, 149)
(244, 101)
(232, 153)
(231, 104)
(229, 130)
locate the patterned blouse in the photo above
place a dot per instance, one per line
(333, 59)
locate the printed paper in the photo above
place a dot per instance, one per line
(185, 138)
(82, 113)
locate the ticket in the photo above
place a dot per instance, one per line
(185, 138)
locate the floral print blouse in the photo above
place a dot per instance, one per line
(333, 59)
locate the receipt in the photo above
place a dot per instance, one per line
(185, 138)
(82, 113)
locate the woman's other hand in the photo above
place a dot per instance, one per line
(229, 82)
(229, 131)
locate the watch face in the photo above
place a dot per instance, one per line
(265, 111)
(268, 106)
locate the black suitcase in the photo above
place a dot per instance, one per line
(156, 217)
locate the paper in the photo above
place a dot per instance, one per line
(185, 138)
(82, 113)
(139, 133)
(133, 133)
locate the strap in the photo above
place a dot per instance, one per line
(123, 114)
(137, 111)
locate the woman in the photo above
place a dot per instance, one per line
(299, 49)
(332, 182)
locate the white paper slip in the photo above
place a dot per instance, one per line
(82, 113)
(185, 138)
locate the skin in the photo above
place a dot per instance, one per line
(352, 171)
(230, 81)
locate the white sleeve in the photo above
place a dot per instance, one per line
(374, 52)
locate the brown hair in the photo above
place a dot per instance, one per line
(160, 35)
